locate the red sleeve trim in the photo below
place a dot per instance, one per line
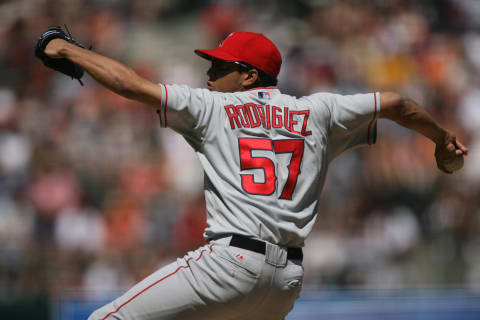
(157, 282)
(373, 119)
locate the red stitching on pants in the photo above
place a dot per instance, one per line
(158, 281)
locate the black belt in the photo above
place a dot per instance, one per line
(260, 247)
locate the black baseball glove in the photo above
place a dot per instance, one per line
(62, 65)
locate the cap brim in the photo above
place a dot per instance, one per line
(215, 53)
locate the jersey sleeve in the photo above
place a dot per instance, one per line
(186, 110)
(352, 121)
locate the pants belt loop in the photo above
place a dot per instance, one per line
(275, 255)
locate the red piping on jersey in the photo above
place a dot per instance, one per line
(373, 120)
(262, 88)
(157, 282)
(165, 106)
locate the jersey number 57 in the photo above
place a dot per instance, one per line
(247, 161)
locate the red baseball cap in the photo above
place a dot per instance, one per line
(252, 48)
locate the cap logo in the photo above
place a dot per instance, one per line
(221, 43)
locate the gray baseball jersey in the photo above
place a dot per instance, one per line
(265, 154)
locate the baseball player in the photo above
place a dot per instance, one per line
(265, 156)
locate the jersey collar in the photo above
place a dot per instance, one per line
(263, 88)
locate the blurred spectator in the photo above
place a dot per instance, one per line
(80, 229)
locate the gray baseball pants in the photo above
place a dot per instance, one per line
(217, 281)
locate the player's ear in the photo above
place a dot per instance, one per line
(250, 77)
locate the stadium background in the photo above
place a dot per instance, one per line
(94, 196)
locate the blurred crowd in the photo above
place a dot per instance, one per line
(94, 195)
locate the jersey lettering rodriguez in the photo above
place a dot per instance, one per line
(252, 115)
(265, 154)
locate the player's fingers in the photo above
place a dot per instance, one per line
(460, 146)
(450, 147)
(459, 152)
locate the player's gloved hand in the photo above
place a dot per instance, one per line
(62, 65)
(447, 149)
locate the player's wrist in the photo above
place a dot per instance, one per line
(65, 49)
(442, 137)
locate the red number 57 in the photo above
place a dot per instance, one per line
(247, 161)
